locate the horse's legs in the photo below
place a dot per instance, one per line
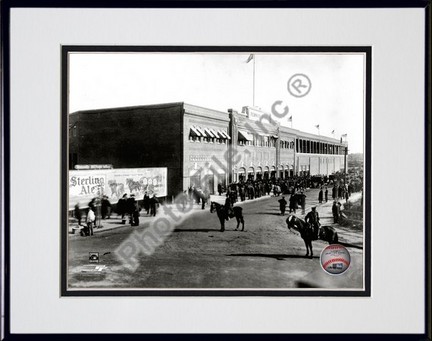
(307, 247)
(242, 221)
(310, 246)
(222, 221)
(238, 222)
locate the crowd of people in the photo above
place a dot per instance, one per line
(91, 214)
(128, 207)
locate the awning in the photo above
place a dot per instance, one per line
(244, 135)
(201, 131)
(224, 134)
(194, 131)
(208, 132)
(215, 133)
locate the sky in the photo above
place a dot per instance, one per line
(223, 81)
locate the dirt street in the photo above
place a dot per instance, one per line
(197, 255)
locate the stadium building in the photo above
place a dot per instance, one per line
(200, 146)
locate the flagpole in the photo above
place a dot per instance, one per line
(253, 94)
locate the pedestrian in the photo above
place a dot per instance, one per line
(312, 218)
(181, 200)
(233, 196)
(326, 194)
(242, 193)
(335, 212)
(190, 191)
(267, 188)
(130, 207)
(105, 207)
(196, 195)
(136, 215)
(302, 200)
(92, 204)
(77, 213)
(204, 196)
(154, 202)
(91, 218)
(251, 192)
(146, 202)
(334, 192)
(219, 188)
(293, 202)
(320, 196)
(282, 205)
(121, 207)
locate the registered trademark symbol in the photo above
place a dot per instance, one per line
(299, 85)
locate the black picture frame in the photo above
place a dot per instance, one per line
(5, 25)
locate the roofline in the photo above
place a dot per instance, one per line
(300, 134)
(221, 114)
(186, 105)
(149, 106)
(198, 111)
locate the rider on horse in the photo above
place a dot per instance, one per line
(229, 213)
(312, 218)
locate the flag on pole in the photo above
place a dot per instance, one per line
(250, 58)
(290, 119)
(317, 126)
(344, 135)
(333, 131)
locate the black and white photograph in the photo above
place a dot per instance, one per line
(218, 170)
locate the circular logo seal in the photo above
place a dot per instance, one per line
(299, 85)
(335, 259)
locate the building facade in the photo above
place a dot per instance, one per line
(199, 146)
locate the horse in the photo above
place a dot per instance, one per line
(117, 189)
(305, 230)
(326, 233)
(222, 214)
(133, 185)
(113, 186)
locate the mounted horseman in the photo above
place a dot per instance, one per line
(312, 218)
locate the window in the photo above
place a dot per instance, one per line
(194, 138)
(245, 138)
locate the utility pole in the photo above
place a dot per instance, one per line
(345, 164)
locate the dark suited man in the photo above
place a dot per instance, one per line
(313, 219)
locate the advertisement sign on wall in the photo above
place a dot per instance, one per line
(84, 185)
